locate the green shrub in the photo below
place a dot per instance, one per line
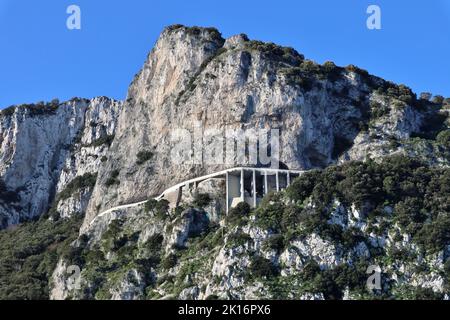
(330, 282)
(41, 108)
(270, 213)
(110, 236)
(238, 239)
(238, 215)
(443, 139)
(378, 110)
(297, 77)
(329, 66)
(310, 67)
(112, 180)
(95, 258)
(144, 156)
(418, 293)
(275, 242)
(435, 236)
(355, 69)
(201, 200)
(8, 111)
(150, 205)
(417, 193)
(261, 267)
(87, 180)
(432, 125)
(438, 99)
(242, 208)
(302, 187)
(154, 243)
(333, 72)
(170, 261)
(352, 237)
(73, 255)
(273, 51)
(160, 208)
(291, 217)
(105, 140)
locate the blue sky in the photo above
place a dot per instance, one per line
(40, 59)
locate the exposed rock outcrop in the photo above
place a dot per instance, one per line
(86, 157)
(44, 147)
(193, 78)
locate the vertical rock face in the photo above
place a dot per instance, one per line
(149, 114)
(194, 78)
(44, 148)
(89, 156)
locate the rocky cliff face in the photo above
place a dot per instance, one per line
(44, 148)
(192, 77)
(87, 156)
(316, 240)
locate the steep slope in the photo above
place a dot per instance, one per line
(316, 240)
(194, 78)
(44, 147)
(79, 158)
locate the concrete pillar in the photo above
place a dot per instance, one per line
(288, 179)
(242, 186)
(266, 185)
(227, 191)
(254, 188)
(277, 177)
(180, 194)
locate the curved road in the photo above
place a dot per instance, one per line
(179, 185)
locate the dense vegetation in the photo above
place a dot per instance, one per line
(396, 197)
(29, 254)
(418, 194)
(399, 192)
(35, 109)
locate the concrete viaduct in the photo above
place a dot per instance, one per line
(243, 184)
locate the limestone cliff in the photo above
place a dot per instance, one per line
(44, 147)
(325, 114)
(82, 157)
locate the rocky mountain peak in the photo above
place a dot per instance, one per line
(325, 115)
(236, 42)
(86, 169)
(178, 54)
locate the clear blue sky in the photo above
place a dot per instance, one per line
(41, 59)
